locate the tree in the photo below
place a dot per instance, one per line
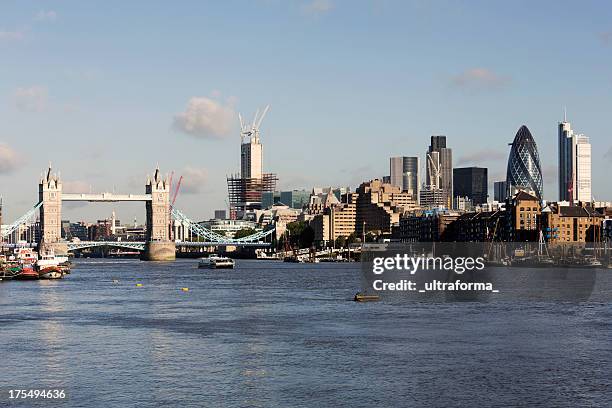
(244, 232)
(352, 238)
(340, 241)
(307, 237)
(370, 237)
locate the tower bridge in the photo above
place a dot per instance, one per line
(160, 214)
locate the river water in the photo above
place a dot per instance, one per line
(273, 334)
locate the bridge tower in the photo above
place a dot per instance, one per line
(159, 246)
(50, 194)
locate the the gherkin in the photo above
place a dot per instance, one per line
(524, 169)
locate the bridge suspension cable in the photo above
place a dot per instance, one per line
(211, 236)
(9, 229)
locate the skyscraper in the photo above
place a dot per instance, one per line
(439, 168)
(500, 191)
(524, 169)
(574, 165)
(471, 182)
(404, 173)
(245, 190)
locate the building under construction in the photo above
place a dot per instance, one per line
(245, 190)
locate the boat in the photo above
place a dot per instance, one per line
(216, 262)
(364, 297)
(50, 266)
(51, 272)
(27, 273)
(10, 272)
(590, 261)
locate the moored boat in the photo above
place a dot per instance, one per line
(51, 272)
(27, 273)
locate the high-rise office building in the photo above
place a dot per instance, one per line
(245, 190)
(500, 190)
(439, 168)
(574, 165)
(471, 182)
(404, 173)
(524, 170)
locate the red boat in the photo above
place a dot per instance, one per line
(27, 273)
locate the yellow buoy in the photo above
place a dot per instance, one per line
(185, 289)
(139, 284)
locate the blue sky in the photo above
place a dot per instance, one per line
(107, 90)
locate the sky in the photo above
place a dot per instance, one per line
(108, 90)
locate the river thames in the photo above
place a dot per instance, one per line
(273, 334)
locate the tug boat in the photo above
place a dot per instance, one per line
(27, 273)
(50, 266)
(216, 262)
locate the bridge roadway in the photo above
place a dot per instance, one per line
(140, 245)
(106, 197)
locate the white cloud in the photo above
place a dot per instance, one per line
(194, 180)
(45, 15)
(12, 35)
(31, 99)
(480, 78)
(205, 117)
(317, 7)
(9, 159)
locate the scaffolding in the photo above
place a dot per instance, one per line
(245, 193)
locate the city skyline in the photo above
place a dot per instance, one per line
(106, 115)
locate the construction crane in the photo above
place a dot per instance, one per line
(176, 191)
(252, 129)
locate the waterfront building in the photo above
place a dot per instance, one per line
(220, 214)
(245, 190)
(500, 191)
(524, 170)
(524, 212)
(574, 165)
(279, 214)
(78, 230)
(427, 225)
(480, 226)
(321, 198)
(336, 221)
(471, 182)
(379, 206)
(404, 173)
(564, 223)
(439, 168)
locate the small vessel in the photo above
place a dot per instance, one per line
(364, 297)
(590, 261)
(216, 262)
(50, 266)
(27, 273)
